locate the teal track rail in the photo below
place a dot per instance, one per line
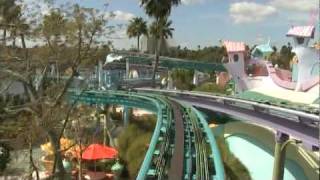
(218, 163)
(124, 98)
(156, 161)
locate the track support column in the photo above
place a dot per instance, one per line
(195, 78)
(127, 68)
(125, 115)
(279, 155)
(169, 80)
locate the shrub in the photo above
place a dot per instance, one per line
(234, 168)
(210, 87)
(4, 156)
(136, 153)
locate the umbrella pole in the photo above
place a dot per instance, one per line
(95, 167)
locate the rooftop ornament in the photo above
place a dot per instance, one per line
(301, 31)
(233, 47)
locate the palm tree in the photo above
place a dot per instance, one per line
(136, 28)
(160, 10)
(160, 30)
(9, 11)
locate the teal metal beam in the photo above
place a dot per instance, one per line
(218, 163)
(174, 63)
(131, 100)
(159, 105)
(125, 116)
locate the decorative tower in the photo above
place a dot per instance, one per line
(235, 63)
(301, 35)
(307, 57)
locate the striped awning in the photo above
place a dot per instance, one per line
(301, 31)
(232, 46)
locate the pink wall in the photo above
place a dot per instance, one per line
(282, 79)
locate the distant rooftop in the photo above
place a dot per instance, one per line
(301, 31)
(232, 46)
(262, 50)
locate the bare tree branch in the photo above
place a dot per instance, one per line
(6, 87)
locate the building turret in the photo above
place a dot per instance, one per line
(307, 57)
(301, 35)
(235, 63)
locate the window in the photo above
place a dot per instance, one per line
(236, 58)
(300, 40)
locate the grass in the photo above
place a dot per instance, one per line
(234, 168)
(210, 87)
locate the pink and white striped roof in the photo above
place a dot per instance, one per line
(232, 46)
(301, 31)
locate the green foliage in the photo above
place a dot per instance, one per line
(4, 156)
(133, 142)
(210, 87)
(157, 8)
(136, 152)
(207, 54)
(137, 27)
(161, 29)
(182, 79)
(126, 138)
(283, 57)
(234, 168)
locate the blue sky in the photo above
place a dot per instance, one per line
(205, 22)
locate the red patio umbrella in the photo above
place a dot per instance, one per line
(98, 151)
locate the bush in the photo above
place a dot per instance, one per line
(4, 156)
(210, 87)
(126, 138)
(234, 168)
(133, 142)
(136, 153)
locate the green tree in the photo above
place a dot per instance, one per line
(160, 11)
(137, 28)
(9, 11)
(161, 30)
(71, 36)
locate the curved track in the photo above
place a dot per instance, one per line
(179, 147)
(177, 160)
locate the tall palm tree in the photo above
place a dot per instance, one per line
(160, 10)
(137, 28)
(161, 30)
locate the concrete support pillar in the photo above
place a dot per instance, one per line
(125, 115)
(100, 74)
(127, 68)
(169, 80)
(279, 155)
(105, 129)
(195, 78)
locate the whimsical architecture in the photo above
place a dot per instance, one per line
(254, 72)
(236, 63)
(262, 51)
(308, 57)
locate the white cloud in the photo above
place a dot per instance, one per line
(188, 2)
(296, 5)
(122, 16)
(249, 12)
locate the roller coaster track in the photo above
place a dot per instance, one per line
(302, 124)
(179, 144)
